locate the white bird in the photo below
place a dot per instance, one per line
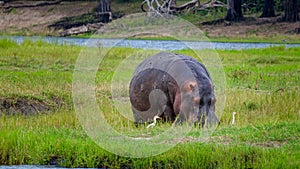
(233, 114)
(153, 124)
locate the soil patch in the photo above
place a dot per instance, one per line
(27, 106)
(35, 20)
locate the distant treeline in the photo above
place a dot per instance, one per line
(278, 4)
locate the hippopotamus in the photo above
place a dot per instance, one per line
(175, 87)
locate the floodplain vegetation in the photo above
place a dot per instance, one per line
(39, 125)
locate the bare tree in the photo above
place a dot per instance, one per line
(159, 6)
(172, 2)
(234, 10)
(291, 11)
(170, 7)
(268, 9)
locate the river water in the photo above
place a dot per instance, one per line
(149, 44)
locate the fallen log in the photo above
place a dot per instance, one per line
(74, 31)
(186, 5)
(212, 4)
(81, 29)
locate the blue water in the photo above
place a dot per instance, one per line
(149, 44)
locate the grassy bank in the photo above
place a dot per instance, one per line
(282, 39)
(262, 87)
(249, 39)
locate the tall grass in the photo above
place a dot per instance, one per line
(263, 88)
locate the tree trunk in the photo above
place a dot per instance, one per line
(104, 6)
(234, 10)
(104, 10)
(291, 11)
(238, 8)
(268, 9)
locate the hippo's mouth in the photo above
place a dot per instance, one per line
(195, 115)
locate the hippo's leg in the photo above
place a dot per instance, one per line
(168, 114)
(182, 117)
(203, 120)
(136, 119)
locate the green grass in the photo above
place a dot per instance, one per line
(282, 39)
(262, 87)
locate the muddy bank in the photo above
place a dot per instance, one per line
(28, 106)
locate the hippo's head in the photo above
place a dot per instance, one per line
(198, 102)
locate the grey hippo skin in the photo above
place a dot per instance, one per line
(174, 87)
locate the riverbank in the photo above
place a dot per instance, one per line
(262, 87)
(36, 21)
